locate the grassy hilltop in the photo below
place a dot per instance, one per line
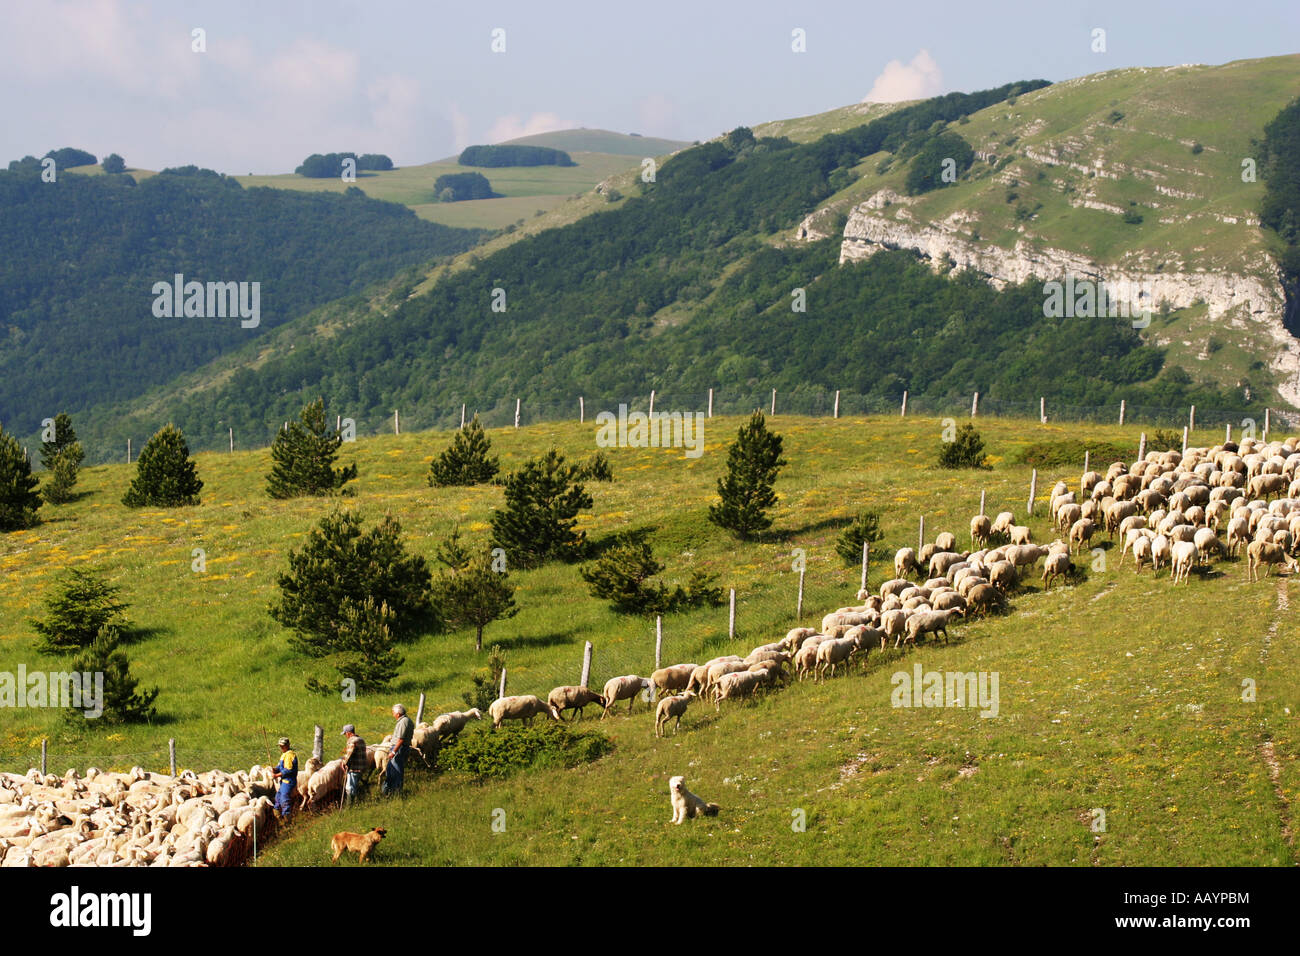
(1121, 692)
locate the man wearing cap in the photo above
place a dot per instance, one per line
(403, 733)
(354, 759)
(287, 773)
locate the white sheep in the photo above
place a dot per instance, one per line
(669, 708)
(623, 688)
(520, 707)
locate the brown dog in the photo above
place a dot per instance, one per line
(361, 843)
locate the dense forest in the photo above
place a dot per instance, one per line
(514, 156)
(79, 257)
(457, 187)
(1280, 208)
(581, 304)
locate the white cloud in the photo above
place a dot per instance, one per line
(514, 126)
(916, 80)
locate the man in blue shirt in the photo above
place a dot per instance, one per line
(287, 773)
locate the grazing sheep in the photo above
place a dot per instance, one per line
(1161, 551)
(669, 708)
(984, 598)
(1142, 551)
(830, 654)
(1183, 558)
(677, 677)
(1002, 523)
(723, 668)
(931, 622)
(324, 784)
(1067, 516)
(980, 528)
(623, 688)
(1081, 533)
(1057, 565)
(1267, 553)
(894, 623)
(520, 707)
(740, 684)
(805, 659)
(905, 562)
(447, 727)
(945, 541)
(570, 697)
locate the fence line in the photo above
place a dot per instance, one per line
(834, 404)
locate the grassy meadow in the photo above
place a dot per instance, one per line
(1120, 692)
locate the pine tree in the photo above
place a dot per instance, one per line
(367, 654)
(865, 528)
(165, 476)
(122, 704)
(753, 461)
(474, 593)
(63, 474)
(303, 457)
(542, 501)
(340, 562)
(64, 435)
(18, 496)
(81, 605)
(485, 686)
(465, 461)
(966, 451)
(623, 572)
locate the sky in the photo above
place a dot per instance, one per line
(419, 81)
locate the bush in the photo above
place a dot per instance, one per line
(500, 753)
(339, 563)
(622, 576)
(122, 704)
(596, 468)
(465, 461)
(866, 527)
(1068, 453)
(484, 688)
(513, 155)
(463, 186)
(1132, 217)
(1163, 440)
(165, 476)
(966, 451)
(19, 498)
(63, 474)
(542, 501)
(81, 606)
(303, 457)
(113, 163)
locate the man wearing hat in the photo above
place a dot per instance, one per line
(287, 773)
(354, 759)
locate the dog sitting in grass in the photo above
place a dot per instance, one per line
(361, 843)
(686, 804)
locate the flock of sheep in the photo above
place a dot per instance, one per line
(1167, 509)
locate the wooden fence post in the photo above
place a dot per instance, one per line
(837, 404)
(799, 608)
(864, 565)
(731, 618)
(710, 403)
(419, 710)
(652, 403)
(920, 536)
(1184, 440)
(1266, 424)
(903, 411)
(516, 413)
(582, 410)
(586, 666)
(774, 402)
(397, 423)
(128, 451)
(501, 688)
(659, 642)
(232, 440)
(974, 404)
(1191, 419)
(1227, 435)
(1122, 403)
(1042, 409)
(171, 754)
(1087, 455)
(983, 492)
(1033, 490)
(462, 414)
(318, 743)
(1142, 447)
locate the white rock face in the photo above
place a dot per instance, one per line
(1243, 302)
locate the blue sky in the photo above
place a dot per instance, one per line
(418, 81)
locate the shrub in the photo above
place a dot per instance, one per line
(753, 461)
(596, 468)
(965, 451)
(542, 501)
(465, 461)
(366, 655)
(1162, 440)
(866, 527)
(463, 186)
(81, 605)
(113, 163)
(19, 498)
(63, 474)
(340, 562)
(165, 476)
(622, 575)
(483, 753)
(1132, 217)
(474, 591)
(122, 704)
(484, 688)
(303, 457)
(1068, 453)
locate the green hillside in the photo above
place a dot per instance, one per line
(1102, 703)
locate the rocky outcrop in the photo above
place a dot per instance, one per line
(1246, 302)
